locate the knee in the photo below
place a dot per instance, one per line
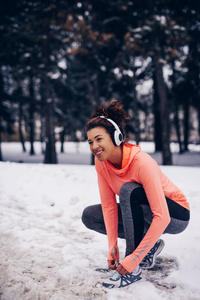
(86, 217)
(127, 189)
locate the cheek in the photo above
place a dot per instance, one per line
(111, 148)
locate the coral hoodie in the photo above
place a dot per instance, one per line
(137, 166)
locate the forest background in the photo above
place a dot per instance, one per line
(59, 59)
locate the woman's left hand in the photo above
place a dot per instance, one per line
(121, 270)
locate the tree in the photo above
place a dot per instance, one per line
(6, 121)
(34, 47)
(88, 52)
(164, 113)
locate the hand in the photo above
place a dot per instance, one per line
(121, 270)
(112, 263)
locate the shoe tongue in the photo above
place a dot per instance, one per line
(136, 269)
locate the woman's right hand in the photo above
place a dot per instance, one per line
(112, 263)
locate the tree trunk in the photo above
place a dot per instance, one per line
(157, 121)
(199, 121)
(31, 118)
(176, 113)
(93, 95)
(164, 116)
(186, 124)
(42, 132)
(42, 116)
(62, 140)
(1, 156)
(20, 128)
(1, 91)
(177, 126)
(135, 110)
(137, 130)
(92, 159)
(50, 152)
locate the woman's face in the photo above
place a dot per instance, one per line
(101, 144)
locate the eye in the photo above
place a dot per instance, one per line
(99, 139)
(90, 143)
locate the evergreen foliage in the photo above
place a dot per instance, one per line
(59, 59)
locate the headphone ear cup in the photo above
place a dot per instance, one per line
(117, 138)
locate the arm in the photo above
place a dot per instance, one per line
(148, 175)
(110, 214)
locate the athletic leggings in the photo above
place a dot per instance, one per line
(135, 216)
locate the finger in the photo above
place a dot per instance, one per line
(111, 264)
(112, 267)
(121, 270)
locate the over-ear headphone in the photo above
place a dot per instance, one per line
(117, 136)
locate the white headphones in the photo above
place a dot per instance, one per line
(117, 136)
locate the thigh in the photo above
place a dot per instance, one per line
(95, 209)
(176, 226)
(176, 211)
(148, 215)
(138, 195)
(92, 218)
(95, 212)
(179, 215)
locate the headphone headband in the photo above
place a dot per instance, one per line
(112, 122)
(117, 136)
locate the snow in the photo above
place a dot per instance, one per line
(47, 253)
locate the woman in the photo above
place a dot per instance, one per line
(149, 203)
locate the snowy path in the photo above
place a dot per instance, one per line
(47, 254)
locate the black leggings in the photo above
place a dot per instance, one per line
(135, 216)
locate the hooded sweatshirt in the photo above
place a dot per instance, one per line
(137, 166)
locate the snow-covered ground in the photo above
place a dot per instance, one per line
(46, 252)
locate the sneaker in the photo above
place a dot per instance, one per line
(149, 260)
(119, 281)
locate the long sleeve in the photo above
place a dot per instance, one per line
(148, 176)
(110, 213)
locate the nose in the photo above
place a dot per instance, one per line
(95, 145)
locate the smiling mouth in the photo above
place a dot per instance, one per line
(99, 152)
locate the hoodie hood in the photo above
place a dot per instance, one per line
(129, 153)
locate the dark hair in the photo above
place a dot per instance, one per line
(112, 110)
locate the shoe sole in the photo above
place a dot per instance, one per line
(162, 244)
